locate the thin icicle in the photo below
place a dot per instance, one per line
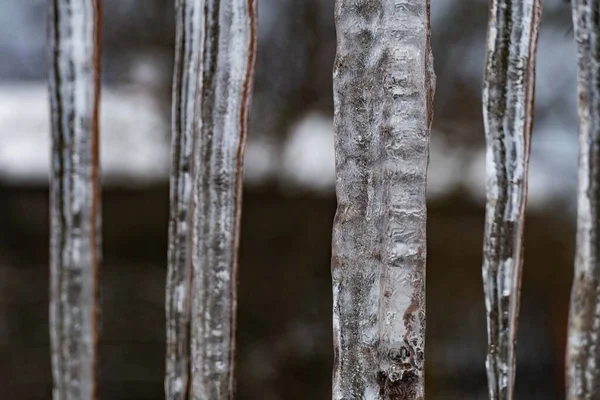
(508, 116)
(383, 91)
(188, 53)
(227, 30)
(583, 355)
(74, 196)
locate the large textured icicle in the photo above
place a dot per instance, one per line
(508, 115)
(216, 51)
(188, 54)
(74, 196)
(583, 349)
(383, 91)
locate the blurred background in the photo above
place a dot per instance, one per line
(284, 331)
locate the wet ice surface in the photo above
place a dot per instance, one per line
(583, 358)
(188, 57)
(212, 90)
(383, 88)
(74, 198)
(508, 117)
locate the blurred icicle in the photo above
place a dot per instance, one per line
(383, 92)
(216, 51)
(74, 196)
(508, 96)
(583, 355)
(227, 77)
(188, 53)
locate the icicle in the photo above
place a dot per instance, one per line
(383, 91)
(508, 116)
(188, 52)
(216, 46)
(227, 77)
(583, 355)
(75, 197)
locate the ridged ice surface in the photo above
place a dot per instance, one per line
(508, 115)
(583, 348)
(216, 45)
(74, 196)
(383, 91)
(188, 54)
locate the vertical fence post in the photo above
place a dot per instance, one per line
(74, 36)
(583, 357)
(508, 96)
(383, 92)
(216, 51)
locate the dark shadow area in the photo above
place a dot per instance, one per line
(284, 331)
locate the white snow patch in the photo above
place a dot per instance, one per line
(135, 149)
(552, 168)
(308, 155)
(440, 10)
(445, 166)
(134, 144)
(260, 160)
